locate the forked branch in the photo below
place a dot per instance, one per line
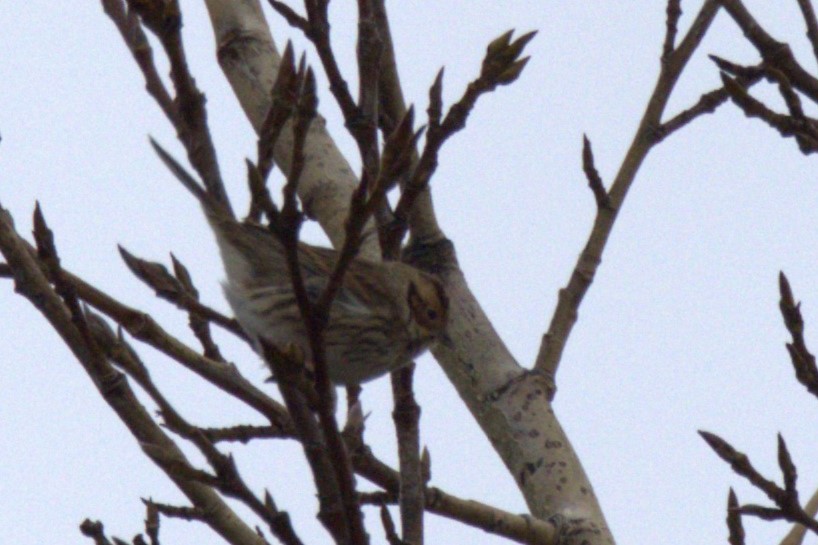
(647, 135)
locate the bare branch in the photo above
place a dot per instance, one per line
(788, 470)
(144, 328)
(235, 55)
(570, 297)
(786, 500)
(520, 528)
(709, 102)
(369, 50)
(340, 487)
(152, 522)
(250, 61)
(47, 254)
(127, 22)
(227, 478)
(114, 388)
(741, 464)
(199, 323)
(392, 108)
(802, 129)
(172, 289)
(245, 433)
(774, 53)
(283, 102)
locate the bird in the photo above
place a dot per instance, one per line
(383, 316)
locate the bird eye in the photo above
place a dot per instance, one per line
(431, 314)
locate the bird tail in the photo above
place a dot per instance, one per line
(215, 210)
(249, 252)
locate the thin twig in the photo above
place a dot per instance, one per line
(227, 479)
(198, 324)
(127, 22)
(734, 525)
(522, 529)
(95, 530)
(172, 289)
(389, 528)
(710, 101)
(152, 521)
(803, 361)
(295, 20)
(673, 13)
(245, 433)
(178, 512)
(369, 50)
(392, 108)
(812, 24)
(592, 175)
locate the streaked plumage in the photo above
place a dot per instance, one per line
(384, 315)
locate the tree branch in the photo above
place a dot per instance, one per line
(570, 297)
(32, 284)
(774, 53)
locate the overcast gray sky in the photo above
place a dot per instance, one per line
(680, 331)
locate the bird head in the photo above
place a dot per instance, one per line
(428, 304)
